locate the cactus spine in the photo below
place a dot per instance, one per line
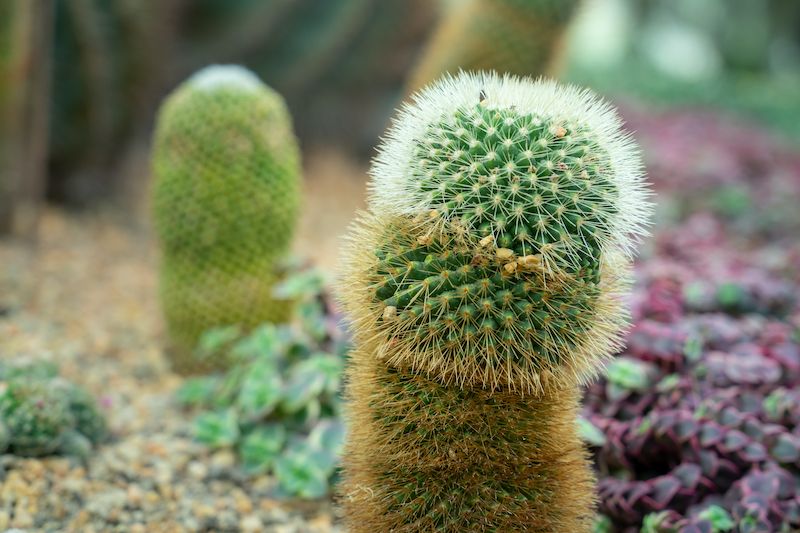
(521, 37)
(226, 197)
(484, 286)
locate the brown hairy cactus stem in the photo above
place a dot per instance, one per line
(429, 457)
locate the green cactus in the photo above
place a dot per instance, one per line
(36, 415)
(226, 200)
(89, 422)
(484, 286)
(42, 414)
(520, 37)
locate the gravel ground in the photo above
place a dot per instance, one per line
(84, 296)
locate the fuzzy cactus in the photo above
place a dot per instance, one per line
(226, 198)
(484, 287)
(521, 37)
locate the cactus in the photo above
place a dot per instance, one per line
(42, 414)
(36, 415)
(25, 35)
(109, 60)
(484, 286)
(521, 37)
(225, 200)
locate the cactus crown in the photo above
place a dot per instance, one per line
(503, 212)
(529, 163)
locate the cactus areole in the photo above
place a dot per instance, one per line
(485, 285)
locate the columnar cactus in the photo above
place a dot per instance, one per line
(226, 198)
(521, 37)
(484, 287)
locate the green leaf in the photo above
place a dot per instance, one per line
(263, 343)
(731, 200)
(328, 435)
(693, 347)
(302, 285)
(720, 520)
(590, 433)
(668, 383)
(652, 523)
(303, 387)
(602, 524)
(299, 475)
(198, 391)
(328, 366)
(730, 294)
(217, 429)
(786, 450)
(259, 448)
(217, 340)
(261, 391)
(629, 374)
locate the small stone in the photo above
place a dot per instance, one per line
(223, 460)
(22, 519)
(251, 523)
(135, 496)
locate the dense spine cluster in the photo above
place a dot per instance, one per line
(484, 287)
(226, 200)
(521, 37)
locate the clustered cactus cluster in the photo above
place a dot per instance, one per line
(43, 414)
(697, 423)
(226, 200)
(484, 286)
(521, 37)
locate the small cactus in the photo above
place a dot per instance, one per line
(521, 37)
(226, 200)
(484, 286)
(42, 414)
(36, 415)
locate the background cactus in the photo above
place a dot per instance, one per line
(25, 34)
(225, 200)
(520, 37)
(484, 287)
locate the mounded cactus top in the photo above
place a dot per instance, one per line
(227, 167)
(503, 213)
(529, 163)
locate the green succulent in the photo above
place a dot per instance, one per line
(278, 404)
(42, 413)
